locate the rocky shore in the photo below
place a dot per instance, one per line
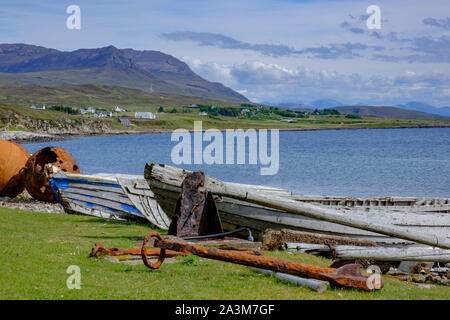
(26, 202)
(29, 137)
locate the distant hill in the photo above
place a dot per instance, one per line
(326, 103)
(93, 95)
(150, 71)
(389, 112)
(420, 106)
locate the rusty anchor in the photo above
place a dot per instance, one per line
(348, 276)
(99, 249)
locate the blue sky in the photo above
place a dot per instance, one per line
(274, 51)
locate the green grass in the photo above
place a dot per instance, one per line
(37, 248)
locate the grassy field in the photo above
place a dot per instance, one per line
(37, 248)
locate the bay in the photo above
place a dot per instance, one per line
(364, 163)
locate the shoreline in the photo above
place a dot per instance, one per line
(34, 137)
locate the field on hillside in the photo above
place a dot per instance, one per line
(24, 118)
(37, 248)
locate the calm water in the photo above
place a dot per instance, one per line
(404, 162)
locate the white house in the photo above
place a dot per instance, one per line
(103, 114)
(144, 115)
(38, 107)
(202, 113)
(119, 109)
(288, 120)
(91, 110)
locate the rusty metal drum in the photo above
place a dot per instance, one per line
(12, 159)
(42, 163)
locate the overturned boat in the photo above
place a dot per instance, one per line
(405, 220)
(109, 196)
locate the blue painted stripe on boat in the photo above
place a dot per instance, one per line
(125, 207)
(129, 208)
(64, 182)
(55, 192)
(90, 205)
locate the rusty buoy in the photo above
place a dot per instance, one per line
(43, 162)
(12, 159)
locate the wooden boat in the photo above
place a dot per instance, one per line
(109, 196)
(414, 216)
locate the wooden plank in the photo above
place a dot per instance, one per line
(95, 187)
(102, 202)
(112, 196)
(96, 211)
(405, 253)
(145, 202)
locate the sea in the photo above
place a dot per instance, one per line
(361, 163)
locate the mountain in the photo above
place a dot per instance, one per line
(389, 112)
(420, 106)
(317, 104)
(291, 105)
(326, 103)
(150, 71)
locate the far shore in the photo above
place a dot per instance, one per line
(36, 137)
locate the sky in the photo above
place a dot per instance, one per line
(269, 50)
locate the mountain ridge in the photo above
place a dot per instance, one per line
(147, 70)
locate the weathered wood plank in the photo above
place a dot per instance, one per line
(405, 253)
(102, 202)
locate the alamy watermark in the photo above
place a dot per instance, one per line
(187, 151)
(374, 20)
(74, 280)
(74, 20)
(374, 281)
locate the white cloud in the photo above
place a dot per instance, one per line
(276, 83)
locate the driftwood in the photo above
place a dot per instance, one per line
(275, 239)
(174, 176)
(411, 253)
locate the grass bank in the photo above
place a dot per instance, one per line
(37, 248)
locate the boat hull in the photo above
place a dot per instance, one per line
(235, 213)
(116, 197)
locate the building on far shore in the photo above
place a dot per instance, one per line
(125, 122)
(144, 115)
(103, 114)
(119, 109)
(288, 120)
(42, 107)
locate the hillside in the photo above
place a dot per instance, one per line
(389, 112)
(93, 95)
(424, 107)
(150, 71)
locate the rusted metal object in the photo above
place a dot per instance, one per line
(346, 276)
(196, 213)
(99, 249)
(42, 163)
(13, 158)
